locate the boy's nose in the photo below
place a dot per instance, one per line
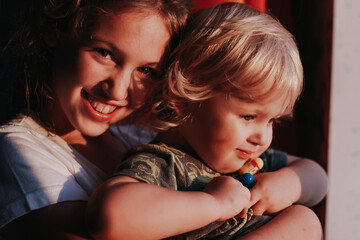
(260, 136)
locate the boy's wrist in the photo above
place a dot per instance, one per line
(293, 181)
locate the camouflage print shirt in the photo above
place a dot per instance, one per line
(171, 168)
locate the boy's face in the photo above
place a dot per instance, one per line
(102, 78)
(226, 132)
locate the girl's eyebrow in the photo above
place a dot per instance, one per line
(115, 50)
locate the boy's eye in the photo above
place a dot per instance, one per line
(248, 117)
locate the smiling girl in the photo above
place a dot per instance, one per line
(83, 66)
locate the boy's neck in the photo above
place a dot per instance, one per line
(174, 138)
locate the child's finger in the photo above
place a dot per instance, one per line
(242, 214)
(255, 196)
(258, 208)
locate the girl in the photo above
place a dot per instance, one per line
(86, 64)
(235, 72)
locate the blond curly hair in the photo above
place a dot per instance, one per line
(229, 49)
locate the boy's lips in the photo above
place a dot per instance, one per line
(244, 154)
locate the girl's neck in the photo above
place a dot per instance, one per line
(104, 151)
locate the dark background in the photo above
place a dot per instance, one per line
(311, 22)
(8, 22)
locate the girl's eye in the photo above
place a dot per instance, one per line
(145, 75)
(104, 53)
(150, 72)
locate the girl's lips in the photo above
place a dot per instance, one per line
(101, 107)
(98, 110)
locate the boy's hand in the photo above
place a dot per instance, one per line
(274, 191)
(232, 197)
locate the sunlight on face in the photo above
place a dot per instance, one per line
(102, 79)
(226, 132)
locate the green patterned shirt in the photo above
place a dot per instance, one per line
(171, 168)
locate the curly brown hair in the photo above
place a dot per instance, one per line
(56, 19)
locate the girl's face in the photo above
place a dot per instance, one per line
(226, 132)
(103, 78)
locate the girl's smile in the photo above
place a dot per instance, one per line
(98, 109)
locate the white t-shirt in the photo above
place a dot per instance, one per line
(38, 169)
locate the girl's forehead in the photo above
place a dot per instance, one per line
(141, 13)
(115, 18)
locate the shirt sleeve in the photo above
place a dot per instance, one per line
(151, 166)
(273, 160)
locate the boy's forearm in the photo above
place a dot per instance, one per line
(128, 212)
(313, 179)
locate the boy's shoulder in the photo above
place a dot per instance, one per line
(158, 147)
(273, 160)
(167, 166)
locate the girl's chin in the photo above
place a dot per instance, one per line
(93, 129)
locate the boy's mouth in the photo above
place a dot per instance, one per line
(244, 154)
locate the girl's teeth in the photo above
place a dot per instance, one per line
(102, 108)
(108, 109)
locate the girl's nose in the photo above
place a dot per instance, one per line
(117, 86)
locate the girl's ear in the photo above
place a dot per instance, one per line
(51, 38)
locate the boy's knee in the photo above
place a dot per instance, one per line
(310, 221)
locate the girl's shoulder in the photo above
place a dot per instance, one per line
(25, 128)
(24, 142)
(22, 123)
(37, 171)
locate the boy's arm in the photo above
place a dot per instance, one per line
(313, 179)
(303, 181)
(124, 208)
